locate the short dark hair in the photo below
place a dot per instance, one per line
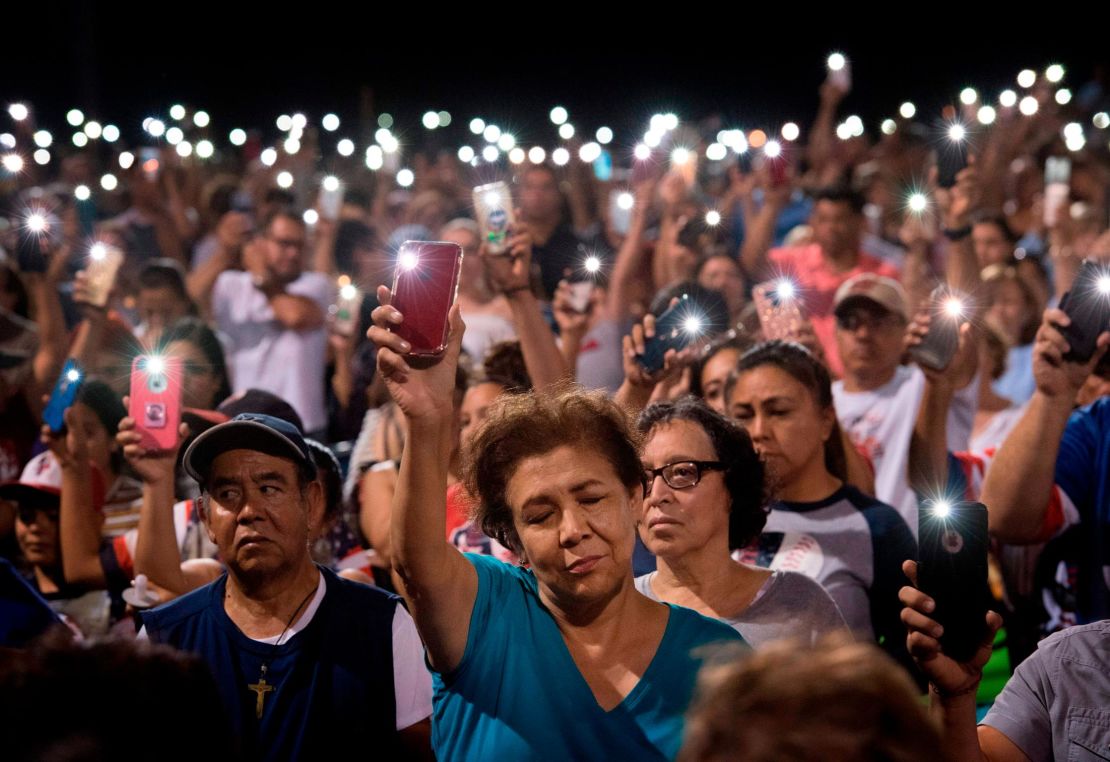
(744, 475)
(164, 273)
(504, 365)
(800, 364)
(288, 212)
(841, 194)
(731, 339)
(991, 217)
(56, 692)
(521, 426)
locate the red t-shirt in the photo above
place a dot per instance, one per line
(818, 283)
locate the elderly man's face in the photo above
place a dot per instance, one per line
(258, 514)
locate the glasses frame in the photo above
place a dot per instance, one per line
(701, 466)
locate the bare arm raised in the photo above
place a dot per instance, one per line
(438, 584)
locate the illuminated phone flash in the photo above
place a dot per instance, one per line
(1103, 285)
(836, 62)
(331, 183)
(348, 291)
(773, 149)
(942, 509)
(692, 324)
(73, 375)
(155, 365)
(918, 202)
(641, 152)
(409, 260)
(713, 217)
(680, 156)
(36, 222)
(98, 251)
(592, 264)
(957, 132)
(785, 289)
(493, 199)
(626, 201)
(953, 307)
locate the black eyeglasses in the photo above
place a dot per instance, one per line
(853, 321)
(681, 474)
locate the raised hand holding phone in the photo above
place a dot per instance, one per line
(422, 390)
(64, 395)
(425, 283)
(155, 400)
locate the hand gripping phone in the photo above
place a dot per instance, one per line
(1087, 303)
(779, 308)
(155, 403)
(952, 570)
(425, 282)
(948, 313)
(679, 325)
(493, 205)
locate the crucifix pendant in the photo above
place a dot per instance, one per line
(261, 688)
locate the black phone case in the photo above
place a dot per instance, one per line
(1089, 312)
(942, 340)
(952, 570)
(668, 335)
(951, 160)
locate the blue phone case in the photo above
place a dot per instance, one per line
(63, 396)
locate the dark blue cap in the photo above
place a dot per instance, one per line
(249, 431)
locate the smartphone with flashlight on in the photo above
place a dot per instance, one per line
(100, 272)
(345, 312)
(621, 203)
(778, 308)
(155, 400)
(675, 329)
(330, 200)
(581, 282)
(951, 156)
(1087, 303)
(839, 72)
(425, 283)
(947, 313)
(493, 205)
(952, 570)
(1057, 187)
(38, 231)
(64, 395)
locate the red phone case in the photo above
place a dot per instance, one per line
(155, 403)
(424, 285)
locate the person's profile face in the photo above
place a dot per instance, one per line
(576, 524)
(257, 514)
(714, 374)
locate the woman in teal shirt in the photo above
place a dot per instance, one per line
(563, 659)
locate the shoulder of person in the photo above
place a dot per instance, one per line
(1084, 643)
(699, 628)
(1095, 414)
(358, 593)
(180, 609)
(870, 504)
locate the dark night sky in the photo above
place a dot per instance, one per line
(120, 62)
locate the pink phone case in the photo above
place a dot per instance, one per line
(155, 402)
(425, 282)
(780, 319)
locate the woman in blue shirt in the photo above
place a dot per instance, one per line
(563, 659)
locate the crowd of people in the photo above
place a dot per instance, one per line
(537, 543)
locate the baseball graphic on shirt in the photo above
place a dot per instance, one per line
(798, 552)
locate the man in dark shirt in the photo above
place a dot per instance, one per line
(556, 248)
(308, 664)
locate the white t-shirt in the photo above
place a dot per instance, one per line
(412, 682)
(881, 422)
(263, 354)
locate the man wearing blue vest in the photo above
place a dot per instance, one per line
(308, 664)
